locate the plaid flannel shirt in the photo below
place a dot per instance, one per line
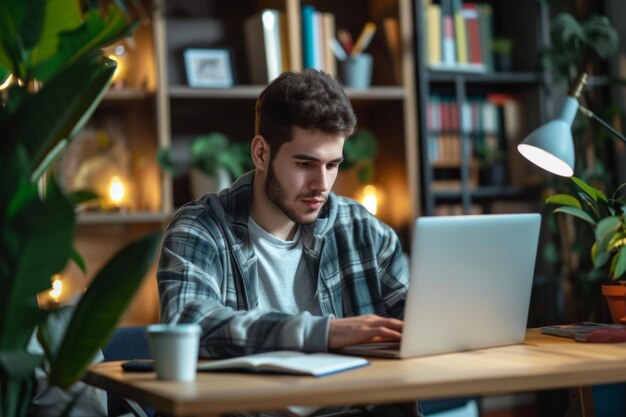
(207, 274)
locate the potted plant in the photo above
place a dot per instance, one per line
(579, 45)
(502, 49)
(607, 218)
(359, 152)
(212, 160)
(52, 49)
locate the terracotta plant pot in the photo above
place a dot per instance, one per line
(616, 298)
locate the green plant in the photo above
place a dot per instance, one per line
(575, 42)
(579, 45)
(607, 218)
(359, 152)
(208, 153)
(502, 45)
(53, 51)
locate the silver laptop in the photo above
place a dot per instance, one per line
(470, 285)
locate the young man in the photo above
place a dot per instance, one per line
(278, 261)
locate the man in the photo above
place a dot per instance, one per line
(278, 261)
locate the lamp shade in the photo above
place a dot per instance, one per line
(551, 146)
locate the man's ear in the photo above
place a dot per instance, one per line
(260, 152)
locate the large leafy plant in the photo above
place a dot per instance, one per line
(52, 49)
(607, 218)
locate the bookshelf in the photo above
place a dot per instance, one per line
(386, 108)
(477, 110)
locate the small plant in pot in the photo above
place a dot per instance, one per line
(607, 217)
(212, 160)
(502, 49)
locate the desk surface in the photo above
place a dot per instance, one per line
(542, 362)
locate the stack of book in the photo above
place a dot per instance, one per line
(492, 123)
(276, 43)
(459, 35)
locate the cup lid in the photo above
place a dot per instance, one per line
(176, 328)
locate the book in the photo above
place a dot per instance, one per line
(469, 12)
(448, 50)
(578, 331)
(485, 23)
(263, 46)
(288, 362)
(459, 33)
(309, 37)
(433, 34)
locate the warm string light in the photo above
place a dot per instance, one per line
(370, 198)
(116, 191)
(57, 288)
(119, 55)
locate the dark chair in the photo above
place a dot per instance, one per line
(436, 407)
(127, 343)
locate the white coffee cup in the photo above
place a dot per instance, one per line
(174, 349)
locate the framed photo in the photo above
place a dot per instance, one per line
(208, 68)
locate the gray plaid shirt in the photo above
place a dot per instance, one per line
(207, 274)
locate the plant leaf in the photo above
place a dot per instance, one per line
(95, 33)
(599, 256)
(41, 125)
(564, 199)
(17, 382)
(620, 264)
(587, 189)
(60, 16)
(606, 229)
(101, 307)
(78, 260)
(577, 213)
(601, 36)
(39, 246)
(82, 196)
(21, 24)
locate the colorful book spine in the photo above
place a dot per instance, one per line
(459, 32)
(485, 16)
(469, 12)
(433, 34)
(448, 50)
(308, 36)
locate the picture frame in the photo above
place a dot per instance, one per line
(208, 68)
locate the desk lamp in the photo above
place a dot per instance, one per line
(551, 146)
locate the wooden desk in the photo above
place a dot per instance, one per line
(542, 362)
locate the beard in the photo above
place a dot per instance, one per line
(277, 194)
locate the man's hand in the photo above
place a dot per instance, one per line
(363, 329)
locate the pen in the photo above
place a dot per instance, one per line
(337, 49)
(364, 39)
(346, 40)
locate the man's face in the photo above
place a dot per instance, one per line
(302, 173)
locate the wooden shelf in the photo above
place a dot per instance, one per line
(124, 94)
(486, 78)
(482, 192)
(253, 91)
(122, 218)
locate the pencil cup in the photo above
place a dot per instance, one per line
(174, 348)
(356, 71)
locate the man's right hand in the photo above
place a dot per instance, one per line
(363, 329)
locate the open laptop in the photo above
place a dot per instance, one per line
(470, 285)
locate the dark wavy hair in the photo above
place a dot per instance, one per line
(310, 99)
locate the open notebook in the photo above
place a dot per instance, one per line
(470, 285)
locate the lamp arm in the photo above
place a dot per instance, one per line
(588, 113)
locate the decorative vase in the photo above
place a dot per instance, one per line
(616, 298)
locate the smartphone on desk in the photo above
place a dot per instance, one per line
(138, 365)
